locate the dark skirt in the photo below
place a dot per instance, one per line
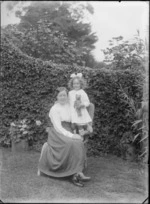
(62, 156)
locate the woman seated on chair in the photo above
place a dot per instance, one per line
(63, 154)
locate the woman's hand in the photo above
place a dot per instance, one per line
(77, 137)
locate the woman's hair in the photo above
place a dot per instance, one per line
(60, 89)
(82, 81)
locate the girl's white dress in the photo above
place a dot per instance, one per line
(85, 118)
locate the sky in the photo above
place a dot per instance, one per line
(110, 19)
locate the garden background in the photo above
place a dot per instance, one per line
(41, 52)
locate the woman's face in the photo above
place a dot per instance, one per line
(76, 84)
(62, 97)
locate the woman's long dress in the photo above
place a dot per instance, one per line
(61, 155)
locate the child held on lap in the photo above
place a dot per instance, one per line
(79, 100)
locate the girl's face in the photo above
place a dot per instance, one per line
(76, 84)
(62, 97)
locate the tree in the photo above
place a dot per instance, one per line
(125, 54)
(100, 65)
(55, 31)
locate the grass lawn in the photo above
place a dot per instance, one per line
(113, 181)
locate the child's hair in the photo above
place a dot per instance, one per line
(83, 83)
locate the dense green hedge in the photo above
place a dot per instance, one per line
(28, 87)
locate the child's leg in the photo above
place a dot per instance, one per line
(73, 128)
(83, 131)
(89, 127)
(86, 134)
(80, 130)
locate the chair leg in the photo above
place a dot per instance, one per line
(39, 173)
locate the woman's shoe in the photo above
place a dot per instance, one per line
(82, 177)
(76, 181)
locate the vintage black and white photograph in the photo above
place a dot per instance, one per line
(74, 102)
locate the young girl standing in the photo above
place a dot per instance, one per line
(79, 101)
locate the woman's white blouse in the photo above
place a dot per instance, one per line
(85, 118)
(59, 113)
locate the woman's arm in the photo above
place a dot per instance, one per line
(55, 119)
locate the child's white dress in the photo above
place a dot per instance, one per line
(85, 118)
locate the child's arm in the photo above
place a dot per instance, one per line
(85, 99)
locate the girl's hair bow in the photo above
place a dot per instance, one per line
(76, 75)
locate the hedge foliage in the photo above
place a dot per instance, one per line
(28, 87)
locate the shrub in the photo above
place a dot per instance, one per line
(141, 128)
(28, 87)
